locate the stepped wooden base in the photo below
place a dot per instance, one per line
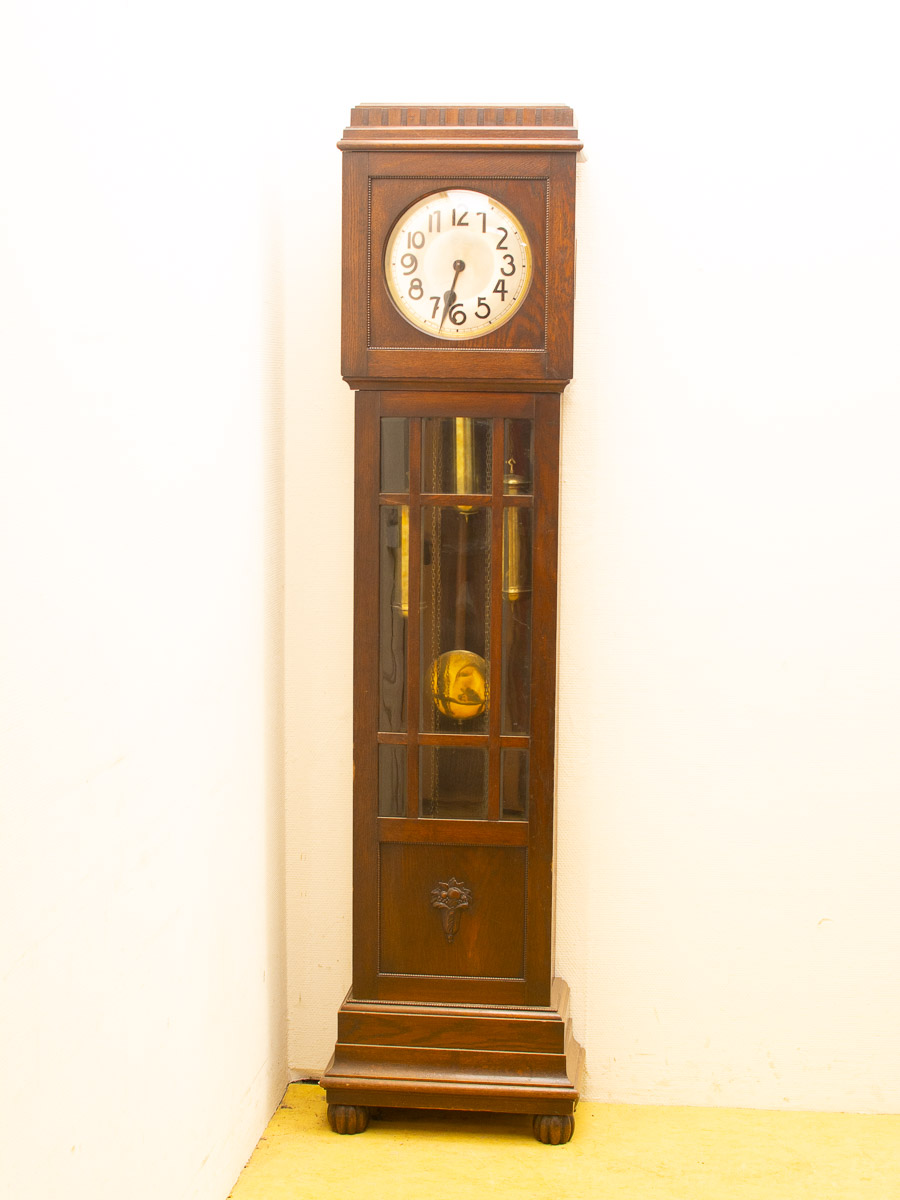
(479, 1059)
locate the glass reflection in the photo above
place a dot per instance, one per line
(392, 781)
(453, 783)
(513, 785)
(456, 455)
(392, 616)
(455, 629)
(517, 457)
(394, 454)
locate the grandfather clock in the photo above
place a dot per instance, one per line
(458, 289)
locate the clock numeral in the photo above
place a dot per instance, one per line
(436, 218)
(462, 217)
(500, 289)
(508, 258)
(410, 261)
(482, 304)
(416, 239)
(500, 245)
(457, 314)
(437, 305)
(483, 221)
(416, 291)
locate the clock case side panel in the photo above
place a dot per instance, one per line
(365, 699)
(541, 882)
(534, 348)
(354, 264)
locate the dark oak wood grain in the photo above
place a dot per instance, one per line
(538, 184)
(554, 1130)
(450, 833)
(348, 1118)
(454, 403)
(543, 693)
(490, 939)
(453, 1002)
(476, 1058)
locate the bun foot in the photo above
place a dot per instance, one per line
(348, 1118)
(554, 1131)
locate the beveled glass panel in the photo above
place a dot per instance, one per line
(393, 615)
(456, 455)
(518, 438)
(392, 781)
(514, 785)
(516, 666)
(455, 607)
(394, 454)
(453, 782)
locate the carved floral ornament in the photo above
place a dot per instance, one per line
(450, 898)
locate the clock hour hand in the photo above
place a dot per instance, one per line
(450, 297)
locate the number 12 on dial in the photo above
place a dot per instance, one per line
(457, 264)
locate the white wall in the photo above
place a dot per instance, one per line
(728, 778)
(728, 826)
(141, 851)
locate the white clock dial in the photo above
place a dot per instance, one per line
(457, 264)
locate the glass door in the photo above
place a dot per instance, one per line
(455, 617)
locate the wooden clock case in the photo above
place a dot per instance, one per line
(470, 1019)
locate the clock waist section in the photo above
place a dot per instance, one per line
(415, 831)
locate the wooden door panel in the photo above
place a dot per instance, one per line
(477, 928)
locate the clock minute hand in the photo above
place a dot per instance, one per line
(450, 297)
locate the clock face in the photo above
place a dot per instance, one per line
(457, 264)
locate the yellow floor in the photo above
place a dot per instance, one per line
(627, 1151)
